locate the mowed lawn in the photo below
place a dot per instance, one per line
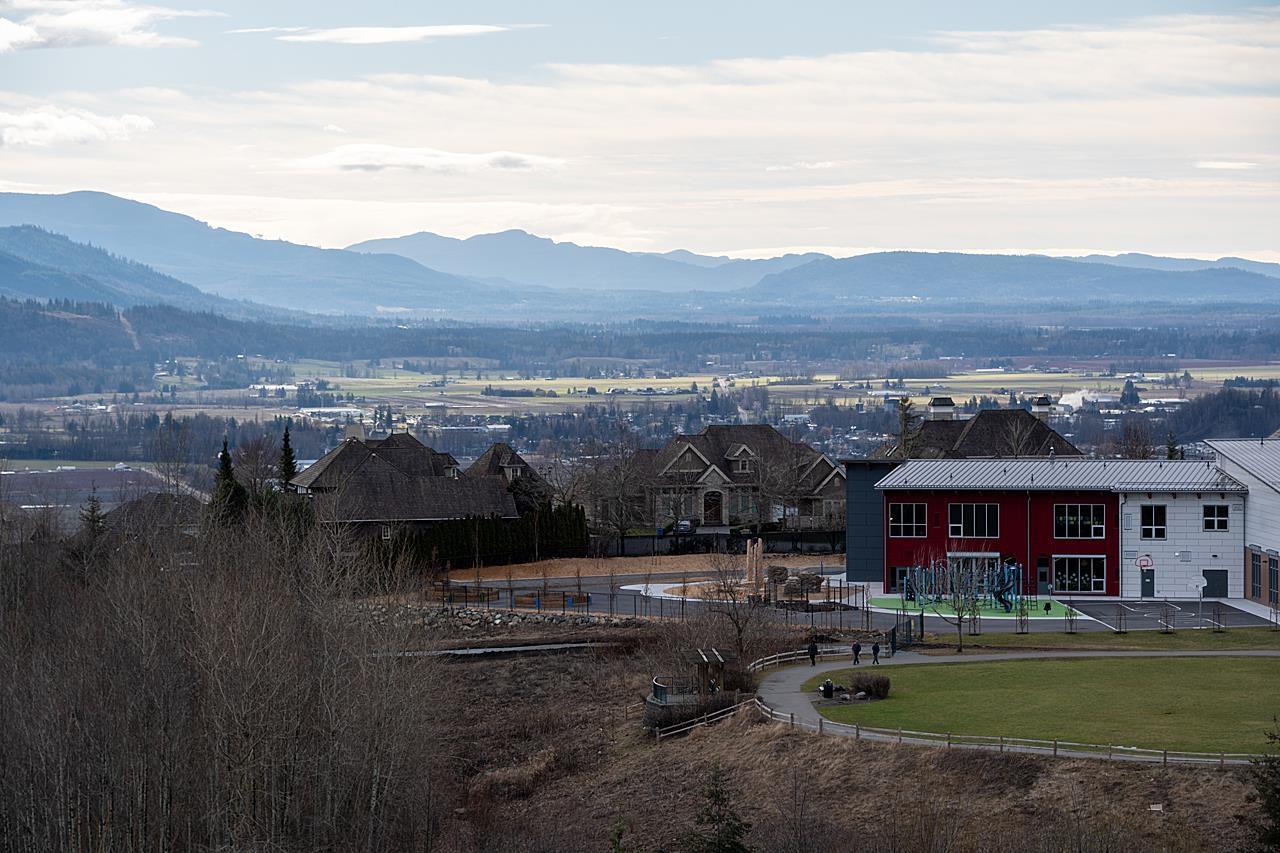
(1196, 704)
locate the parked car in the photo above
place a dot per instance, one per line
(686, 525)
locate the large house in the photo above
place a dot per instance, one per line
(988, 433)
(740, 474)
(381, 484)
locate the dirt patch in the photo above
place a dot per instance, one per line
(692, 564)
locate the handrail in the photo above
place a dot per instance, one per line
(705, 719)
(1059, 748)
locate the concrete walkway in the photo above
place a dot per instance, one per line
(782, 689)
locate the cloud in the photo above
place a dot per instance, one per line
(45, 126)
(82, 23)
(803, 165)
(334, 128)
(14, 35)
(377, 158)
(1226, 165)
(379, 35)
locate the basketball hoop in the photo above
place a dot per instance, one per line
(1144, 562)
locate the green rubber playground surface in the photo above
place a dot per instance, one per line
(1206, 704)
(892, 602)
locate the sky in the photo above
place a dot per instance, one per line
(745, 128)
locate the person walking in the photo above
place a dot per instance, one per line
(857, 652)
(813, 653)
(875, 653)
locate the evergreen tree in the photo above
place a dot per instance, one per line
(288, 464)
(91, 522)
(1171, 446)
(1129, 396)
(719, 828)
(229, 497)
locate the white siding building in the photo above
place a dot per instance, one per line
(1256, 463)
(1172, 541)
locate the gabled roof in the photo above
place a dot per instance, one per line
(1023, 474)
(400, 450)
(989, 433)
(154, 510)
(721, 442)
(1260, 457)
(496, 459)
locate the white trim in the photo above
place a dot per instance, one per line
(687, 446)
(1053, 573)
(727, 480)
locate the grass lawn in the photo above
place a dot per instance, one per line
(1194, 704)
(1233, 639)
(893, 602)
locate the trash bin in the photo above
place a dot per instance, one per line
(828, 689)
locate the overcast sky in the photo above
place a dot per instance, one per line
(740, 127)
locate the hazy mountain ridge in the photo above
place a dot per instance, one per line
(1003, 279)
(239, 266)
(1155, 262)
(523, 258)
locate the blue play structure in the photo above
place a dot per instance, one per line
(991, 583)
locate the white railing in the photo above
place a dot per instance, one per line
(1056, 748)
(774, 661)
(705, 719)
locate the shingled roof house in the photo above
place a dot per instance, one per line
(378, 484)
(989, 433)
(741, 474)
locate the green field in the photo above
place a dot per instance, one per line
(1235, 639)
(1192, 704)
(893, 602)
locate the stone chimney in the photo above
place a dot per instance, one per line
(1042, 408)
(942, 409)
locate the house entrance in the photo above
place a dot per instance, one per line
(713, 509)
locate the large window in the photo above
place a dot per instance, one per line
(1273, 579)
(1079, 574)
(1153, 521)
(1255, 576)
(1216, 517)
(1079, 521)
(907, 520)
(974, 521)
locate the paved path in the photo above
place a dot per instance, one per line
(782, 689)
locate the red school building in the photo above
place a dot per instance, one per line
(924, 526)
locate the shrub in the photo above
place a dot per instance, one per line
(875, 686)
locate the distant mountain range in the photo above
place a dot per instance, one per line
(520, 257)
(1001, 279)
(151, 255)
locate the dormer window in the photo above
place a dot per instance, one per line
(742, 465)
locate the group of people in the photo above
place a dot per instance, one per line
(857, 653)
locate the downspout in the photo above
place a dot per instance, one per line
(1035, 575)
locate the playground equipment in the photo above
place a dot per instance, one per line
(988, 583)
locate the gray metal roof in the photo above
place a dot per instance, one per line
(1260, 457)
(1023, 474)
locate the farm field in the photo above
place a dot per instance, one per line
(1194, 704)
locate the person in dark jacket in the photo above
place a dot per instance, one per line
(875, 653)
(813, 653)
(857, 653)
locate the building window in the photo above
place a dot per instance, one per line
(1153, 521)
(1216, 516)
(1079, 521)
(974, 521)
(386, 531)
(1255, 576)
(742, 465)
(907, 520)
(1079, 574)
(1273, 579)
